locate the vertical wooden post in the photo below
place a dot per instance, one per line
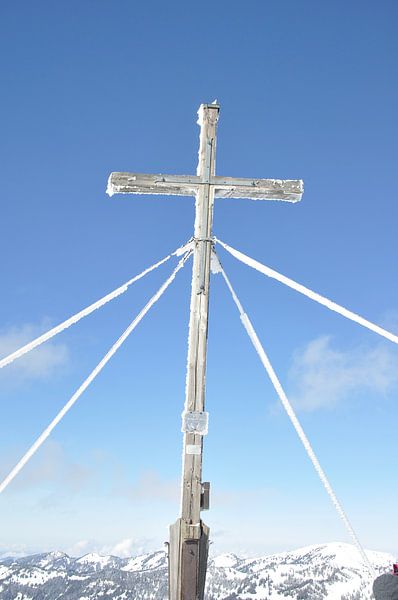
(188, 548)
(189, 536)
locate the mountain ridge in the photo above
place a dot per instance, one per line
(334, 571)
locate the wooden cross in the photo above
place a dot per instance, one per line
(188, 547)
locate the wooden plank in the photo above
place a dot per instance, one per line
(142, 183)
(174, 552)
(205, 500)
(203, 557)
(193, 549)
(197, 347)
(289, 190)
(190, 570)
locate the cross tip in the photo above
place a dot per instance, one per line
(301, 189)
(214, 106)
(297, 195)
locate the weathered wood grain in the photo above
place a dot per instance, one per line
(288, 190)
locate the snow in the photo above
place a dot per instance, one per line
(57, 554)
(109, 188)
(215, 264)
(337, 568)
(94, 558)
(4, 572)
(329, 571)
(334, 556)
(225, 560)
(186, 248)
(200, 123)
(34, 576)
(333, 569)
(49, 559)
(145, 562)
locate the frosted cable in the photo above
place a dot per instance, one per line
(83, 313)
(44, 435)
(251, 262)
(295, 422)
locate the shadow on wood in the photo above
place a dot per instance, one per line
(188, 561)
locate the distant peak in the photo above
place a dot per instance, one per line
(92, 557)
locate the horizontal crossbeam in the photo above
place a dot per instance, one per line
(289, 190)
(141, 183)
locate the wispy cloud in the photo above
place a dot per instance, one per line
(322, 376)
(124, 548)
(37, 364)
(51, 466)
(150, 486)
(15, 550)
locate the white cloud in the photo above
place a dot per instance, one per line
(50, 466)
(15, 550)
(81, 547)
(37, 364)
(322, 375)
(150, 486)
(124, 548)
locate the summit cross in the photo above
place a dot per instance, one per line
(189, 536)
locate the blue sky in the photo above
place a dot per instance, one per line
(307, 90)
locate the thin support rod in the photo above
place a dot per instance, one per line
(295, 422)
(7, 360)
(44, 435)
(254, 264)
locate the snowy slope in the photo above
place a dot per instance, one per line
(332, 571)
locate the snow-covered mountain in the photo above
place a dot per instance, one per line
(332, 571)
